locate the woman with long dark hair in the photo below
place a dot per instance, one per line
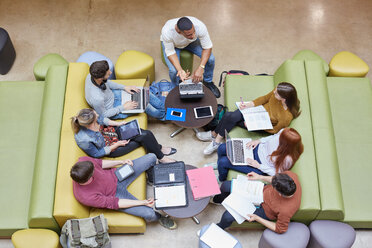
(282, 105)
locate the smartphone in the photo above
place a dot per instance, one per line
(176, 113)
(203, 112)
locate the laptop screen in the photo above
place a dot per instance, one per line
(229, 147)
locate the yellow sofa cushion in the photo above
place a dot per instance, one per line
(65, 205)
(35, 238)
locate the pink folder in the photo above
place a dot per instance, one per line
(203, 182)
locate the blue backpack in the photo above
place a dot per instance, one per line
(161, 89)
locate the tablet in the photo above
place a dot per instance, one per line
(124, 172)
(203, 112)
(129, 130)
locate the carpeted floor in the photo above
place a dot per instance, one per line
(256, 36)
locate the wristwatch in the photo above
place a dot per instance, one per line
(202, 66)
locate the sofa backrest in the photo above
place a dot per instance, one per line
(43, 185)
(332, 206)
(293, 71)
(65, 205)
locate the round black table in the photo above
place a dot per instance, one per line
(173, 100)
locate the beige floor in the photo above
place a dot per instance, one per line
(256, 36)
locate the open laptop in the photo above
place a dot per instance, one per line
(188, 89)
(237, 151)
(142, 97)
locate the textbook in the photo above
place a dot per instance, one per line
(256, 118)
(203, 182)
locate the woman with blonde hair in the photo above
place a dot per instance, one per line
(97, 137)
(281, 103)
(273, 154)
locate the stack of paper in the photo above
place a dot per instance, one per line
(215, 237)
(203, 182)
(245, 194)
(256, 118)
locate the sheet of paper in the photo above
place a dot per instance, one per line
(215, 237)
(171, 196)
(239, 219)
(256, 118)
(252, 190)
(241, 205)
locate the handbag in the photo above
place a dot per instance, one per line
(85, 233)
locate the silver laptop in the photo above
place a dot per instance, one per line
(141, 97)
(189, 89)
(237, 151)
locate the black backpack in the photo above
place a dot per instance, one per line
(221, 110)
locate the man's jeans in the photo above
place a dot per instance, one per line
(139, 165)
(196, 49)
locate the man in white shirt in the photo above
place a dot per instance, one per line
(190, 34)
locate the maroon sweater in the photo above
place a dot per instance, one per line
(100, 193)
(281, 208)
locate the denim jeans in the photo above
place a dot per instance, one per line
(139, 165)
(194, 48)
(155, 108)
(117, 102)
(227, 219)
(224, 164)
(203, 245)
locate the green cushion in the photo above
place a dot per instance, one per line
(43, 186)
(309, 55)
(186, 59)
(351, 101)
(20, 108)
(332, 207)
(42, 65)
(254, 86)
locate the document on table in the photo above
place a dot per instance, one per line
(170, 196)
(256, 118)
(215, 237)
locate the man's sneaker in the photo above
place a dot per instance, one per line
(168, 223)
(205, 136)
(213, 88)
(213, 165)
(211, 148)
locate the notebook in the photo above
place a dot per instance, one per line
(203, 182)
(142, 98)
(236, 150)
(129, 130)
(170, 185)
(216, 237)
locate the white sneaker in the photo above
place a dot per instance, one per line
(213, 165)
(211, 148)
(205, 136)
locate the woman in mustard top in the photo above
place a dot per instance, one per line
(282, 105)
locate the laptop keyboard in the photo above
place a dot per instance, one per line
(191, 87)
(238, 151)
(136, 97)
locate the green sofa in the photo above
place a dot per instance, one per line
(30, 124)
(334, 167)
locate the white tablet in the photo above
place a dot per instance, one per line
(203, 112)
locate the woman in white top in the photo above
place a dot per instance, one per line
(273, 154)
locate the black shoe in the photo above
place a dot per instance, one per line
(173, 151)
(213, 88)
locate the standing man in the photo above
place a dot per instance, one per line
(190, 34)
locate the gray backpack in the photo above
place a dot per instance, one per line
(85, 233)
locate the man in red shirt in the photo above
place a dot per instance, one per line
(96, 185)
(281, 200)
